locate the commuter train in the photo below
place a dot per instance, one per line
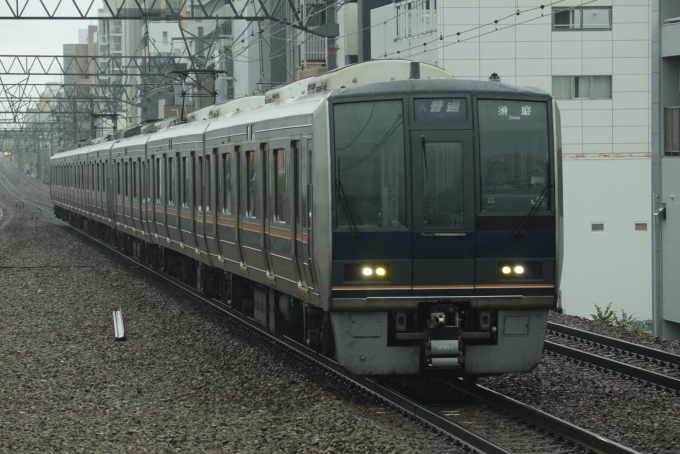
(385, 214)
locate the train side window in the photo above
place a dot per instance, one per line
(171, 179)
(226, 184)
(206, 184)
(252, 198)
(280, 186)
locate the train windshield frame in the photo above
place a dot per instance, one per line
(514, 153)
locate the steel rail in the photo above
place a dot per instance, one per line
(618, 344)
(615, 366)
(396, 400)
(540, 418)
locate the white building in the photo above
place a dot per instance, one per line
(596, 59)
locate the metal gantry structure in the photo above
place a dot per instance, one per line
(39, 115)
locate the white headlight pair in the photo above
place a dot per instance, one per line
(518, 269)
(368, 271)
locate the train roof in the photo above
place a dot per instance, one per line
(427, 86)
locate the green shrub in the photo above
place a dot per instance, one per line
(609, 317)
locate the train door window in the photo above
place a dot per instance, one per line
(193, 180)
(118, 177)
(185, 184)
(171, 179)
(308, 205)
(443, 185)
(158, 180)
(206, 184)
(226, 184)
(134, 180)
(216, 196)
(164, 176)
(280, 186)
(106, 166)
(149, 178)
(96, 179)
(127, 180)
(142, 178)
(199, 184)
(252, 198)
(295, 146)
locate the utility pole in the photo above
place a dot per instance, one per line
(331, 21)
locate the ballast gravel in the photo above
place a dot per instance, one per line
(186, 379)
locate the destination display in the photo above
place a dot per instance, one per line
(442, 109)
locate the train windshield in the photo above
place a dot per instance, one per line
(369, 164)
(514, 154)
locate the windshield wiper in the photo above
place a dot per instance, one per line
(345, 206)
(521, 231)
(422, 141)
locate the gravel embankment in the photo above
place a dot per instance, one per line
(187, 379)
(670, 346)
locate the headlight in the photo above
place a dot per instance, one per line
(358, 272)
(521, 271)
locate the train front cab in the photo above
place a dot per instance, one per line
(444, 227)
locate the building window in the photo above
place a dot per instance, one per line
(584, 18)
(415, 18)
(671, 131)
(117, 27)
(582, 87)
(117, 44)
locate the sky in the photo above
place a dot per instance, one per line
(40, 37)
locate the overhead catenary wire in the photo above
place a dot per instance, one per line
(494, 23)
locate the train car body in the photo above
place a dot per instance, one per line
(404, 226)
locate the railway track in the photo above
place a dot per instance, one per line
(477, 419)
(29, 181)
(19, 196)
(643, 364)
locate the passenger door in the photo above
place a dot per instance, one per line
(443, 213)
(302, 184)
